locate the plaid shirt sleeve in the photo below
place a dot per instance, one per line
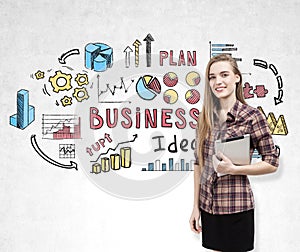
(196, 148)
(262, 139)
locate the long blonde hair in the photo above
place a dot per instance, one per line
(206, 120)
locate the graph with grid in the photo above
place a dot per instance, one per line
(67, 151)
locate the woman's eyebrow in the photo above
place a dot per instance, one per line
(225, 71)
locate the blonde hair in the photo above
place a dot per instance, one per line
(206, 120)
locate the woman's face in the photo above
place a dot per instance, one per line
(222, 80)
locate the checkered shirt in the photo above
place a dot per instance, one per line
(232, 193)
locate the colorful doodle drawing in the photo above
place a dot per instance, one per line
(260, 91)
(80, 94)
(82, 79)
(114, 162)
(66, 101)
(98, 57)
(39, 75)
(170, 96)
(264, 64)
(170, 79)
(72, 165)
(158, 166)
(66, 151)
(277, 127)
(62, 58)
(112, 90)
(127, 52)
(147, 87)
(193, 78)
(136, 45)
(58, 127)
(192, 96)
(25, 112)
(60, 81)
(148, 40)
(221, 48)
(247, 89)
(114, 149)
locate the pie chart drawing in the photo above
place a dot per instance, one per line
(147, 87)
(192, 96)
(170, 79)
(170, 96)
(193, 78)
(98, 57)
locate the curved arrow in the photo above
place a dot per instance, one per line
(278, 99)
(62, 59)
(35, 146)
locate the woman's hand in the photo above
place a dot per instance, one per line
(194, 221)
(222, 164)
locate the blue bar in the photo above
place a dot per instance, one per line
(22, 109)
(25, 112)
(221, 45)
(182, 164)
(164, 166)
(187, 166)
(171, 164)
(150, 166)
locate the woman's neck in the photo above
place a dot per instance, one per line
(227, 104)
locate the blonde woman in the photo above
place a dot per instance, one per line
(225, 204)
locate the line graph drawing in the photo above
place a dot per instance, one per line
(112, 90)
(61, 126)
(66, 150)
(114, 149)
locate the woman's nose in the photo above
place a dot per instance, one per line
(218, 79)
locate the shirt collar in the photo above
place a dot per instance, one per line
(233, 112)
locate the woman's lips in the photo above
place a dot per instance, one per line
(220, 89)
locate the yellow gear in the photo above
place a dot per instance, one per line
(66, 101)
(80, 97)
(82, 79)
(39, 75)
(53, 80)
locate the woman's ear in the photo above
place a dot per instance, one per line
(238, 79)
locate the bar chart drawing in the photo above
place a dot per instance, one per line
(58, 127)
(25, 112)
(115, 161)
(157, 165)
(222, 48)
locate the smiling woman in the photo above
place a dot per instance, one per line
(226, 203)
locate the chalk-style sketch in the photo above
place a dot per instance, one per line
(66, 150)
(60, 126)
(148, 40)
(25, 113)
(169, 166)
(264, 64)
(62, 58)
(147, 87)
(98, 57)
(34, 144)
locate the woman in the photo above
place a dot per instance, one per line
(226, 203)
